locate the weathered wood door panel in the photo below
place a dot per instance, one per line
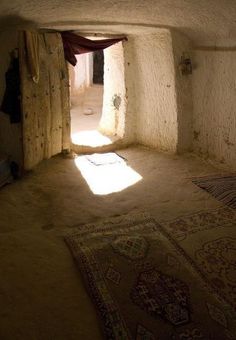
(45, 104)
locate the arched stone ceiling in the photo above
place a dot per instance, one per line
(206, 22)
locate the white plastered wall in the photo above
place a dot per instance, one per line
(156, 104)
(183, 86)
(130, 68)
(119, 104)
(155, 98)
(10, 134)
(214, 118)
(114, 98)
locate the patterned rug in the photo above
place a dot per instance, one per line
(209, 240)
(222, 188)
(144, 286)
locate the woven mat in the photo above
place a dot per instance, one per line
(104, 158)
(208, 238)
(223, 188)
(144, 286)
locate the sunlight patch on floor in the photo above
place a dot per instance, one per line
(107, 178)
(90, 138)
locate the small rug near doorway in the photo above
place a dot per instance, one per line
(222, 188)
(143, 285)
(105, 158)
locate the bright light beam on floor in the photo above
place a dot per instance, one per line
(107, 178)
(90, 138)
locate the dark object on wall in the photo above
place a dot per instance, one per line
(98, 67)
(185, 65)
(5, 171)
(11, 99)
(116, 100)
(74, 44)
(15, 170)
(9, 171)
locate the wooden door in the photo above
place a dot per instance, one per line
(45, 103)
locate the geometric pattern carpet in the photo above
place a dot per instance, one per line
(208, 238)
(222, 188)
(145, 286)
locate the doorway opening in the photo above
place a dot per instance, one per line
(87, 98)
(97, 92)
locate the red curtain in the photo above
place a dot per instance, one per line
(75, 44)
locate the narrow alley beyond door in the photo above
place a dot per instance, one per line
(85, 117)
(87, 100)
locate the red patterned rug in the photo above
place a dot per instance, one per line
(143, 285)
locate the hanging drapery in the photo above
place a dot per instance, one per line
(45, 104)
(74, 44)
(11, 100)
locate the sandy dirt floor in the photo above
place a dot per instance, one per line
(86, 111)
(41, 292)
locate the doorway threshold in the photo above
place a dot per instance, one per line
(94, 141)
(92, 138)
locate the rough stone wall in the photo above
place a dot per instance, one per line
(183, 86)
(119, 101)
(203, 21)
(156, 104)
(214, 118)
(130, 69)
(114, 97)
(10, 134)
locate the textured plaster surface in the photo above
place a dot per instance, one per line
(114, 97)
(214, 120)
(130, 70)
(183, 86)
(203, 21)
(10, 134)
(146, 98)
(156, 105)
